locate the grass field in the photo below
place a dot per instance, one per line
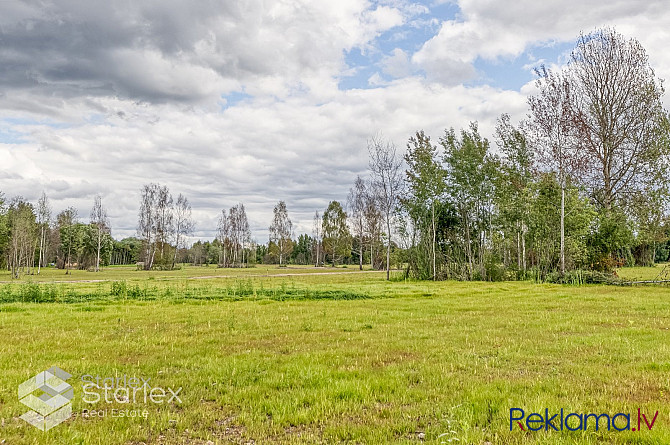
(269, 355)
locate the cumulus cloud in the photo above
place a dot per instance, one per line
(173, 51)
(233, 102)
(495, 30)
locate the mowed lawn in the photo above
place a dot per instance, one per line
(345, 358)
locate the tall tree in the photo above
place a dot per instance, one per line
(356, 202)
(336, 237)
(240, 233)
(164, 227)
(183, 224)
(386, 171)
(22, 236)
(514, 186)
(373, 222)
(426, 180)
(100, 224)
(317, 234)
(43, 221)
(470, 169)
(281, 231)
(554, 134)
(617, 110)
(223, 235)
(147, 222)
(67, 222)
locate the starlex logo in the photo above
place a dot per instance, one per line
(49, 397)
(579, 421)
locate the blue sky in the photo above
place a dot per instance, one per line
(258, 101)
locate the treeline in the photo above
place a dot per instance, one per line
(30, 238)
(582, 184)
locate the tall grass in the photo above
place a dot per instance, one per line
(31, 292)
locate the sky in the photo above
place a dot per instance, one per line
(258, 101)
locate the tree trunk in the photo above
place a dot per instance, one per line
(280, 253)
(39, 259)
(360, 252)
(316, 264)
(518, 248)
(562, 228)
(67, 262)
(434, 242)
(176, 248)
(523, 245)
(388, 250)
(97, 260)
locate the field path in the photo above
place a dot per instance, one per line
(209, 277)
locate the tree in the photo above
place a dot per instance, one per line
(373, 222)
(100, 224)
(281, 231)
(514, 185)
(240, 232)
(470, 170)
(317, 234)
(336, 237)
(223, 235)
(426, 180)
(164, 224)
(302, 249)
(356, 203)
(4, 232)
(183, 224)
(386, 172)
(543, 225)
(43, 222)
(617, 111)
(22, 236)
(69, 236)
(147, 222)
(156, 226)
(554, 135)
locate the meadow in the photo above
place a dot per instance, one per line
(305, 356)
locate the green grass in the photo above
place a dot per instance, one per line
(643, 273)
(345, 358)
(112, 273)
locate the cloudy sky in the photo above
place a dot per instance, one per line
(257, 101)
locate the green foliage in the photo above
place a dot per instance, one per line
(336, 236)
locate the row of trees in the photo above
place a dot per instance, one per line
(163, 226)
(582, 183)
(30, 238)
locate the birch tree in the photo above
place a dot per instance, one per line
(223, 235)
(22, 236)
(100, 224)
(281, 230)
(617, 111)
(183, 224)
(147, 223)
(426, 180)
(43, 222)
(67, 224)
(336, 237)
(554, 134)
(317, 234)
(356, 202)
(386, 171)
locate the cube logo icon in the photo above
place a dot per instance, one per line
(49, 398)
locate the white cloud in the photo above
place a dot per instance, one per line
(109, 98)
(256, 153)
(492, 30)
